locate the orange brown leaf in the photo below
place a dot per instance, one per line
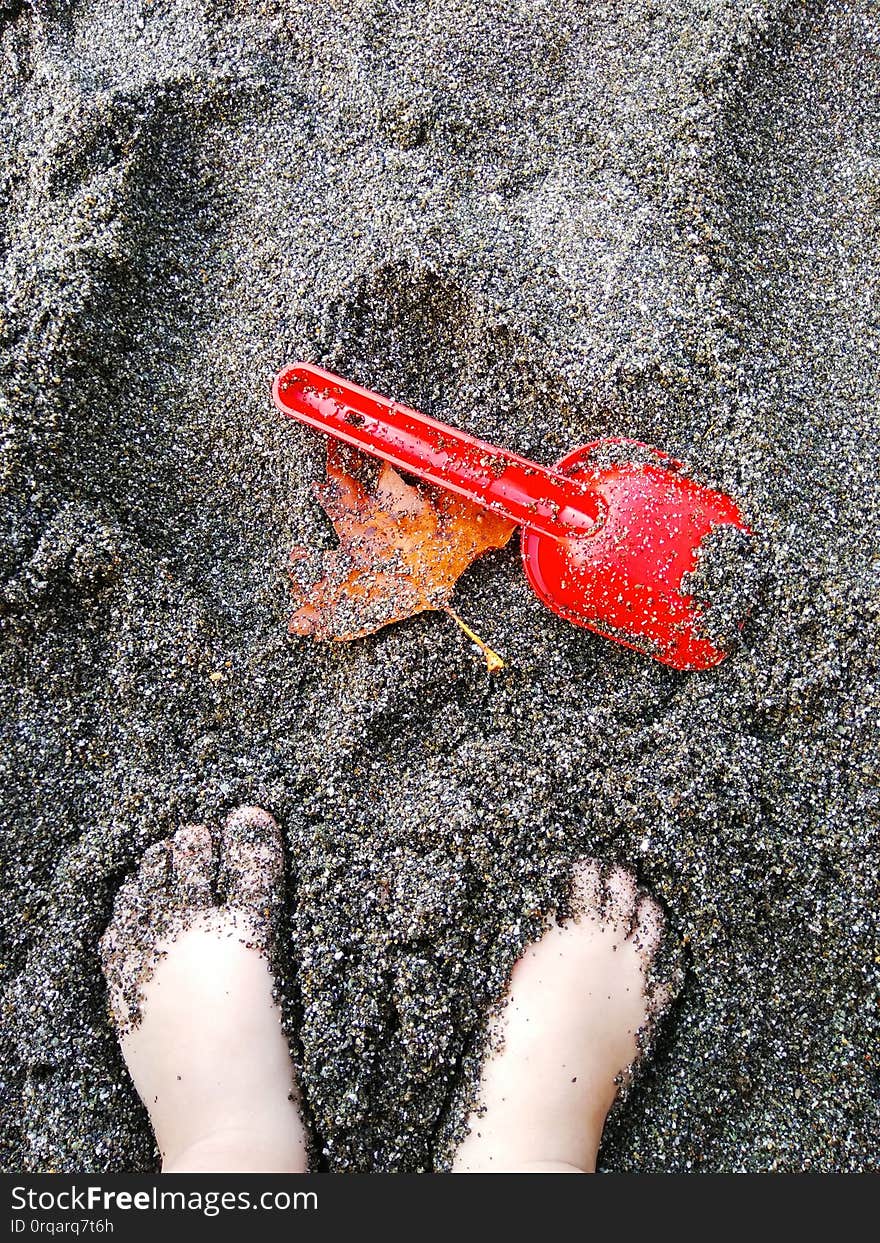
(402, 548)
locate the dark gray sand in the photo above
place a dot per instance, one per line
(545, 222)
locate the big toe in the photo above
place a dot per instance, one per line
(252, 858)
(621, 899)
(136, 897)
(192, 863)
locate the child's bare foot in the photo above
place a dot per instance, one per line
(185, 957)
(568, 1033)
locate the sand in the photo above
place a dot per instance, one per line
(545, 222)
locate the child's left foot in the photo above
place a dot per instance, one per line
(191, 995)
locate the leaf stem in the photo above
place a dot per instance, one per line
(493, 660)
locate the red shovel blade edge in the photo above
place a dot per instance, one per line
(626, 581)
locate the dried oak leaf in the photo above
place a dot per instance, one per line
(402, 548)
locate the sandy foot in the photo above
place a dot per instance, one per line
(190, 987)
(574, 1020)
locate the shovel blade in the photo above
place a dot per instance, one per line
(625, 581)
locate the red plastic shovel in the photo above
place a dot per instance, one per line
(608, 533)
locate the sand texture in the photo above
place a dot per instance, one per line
(546, 222)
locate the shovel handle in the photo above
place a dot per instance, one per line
(530, 495)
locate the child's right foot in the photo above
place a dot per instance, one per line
(568, 1034)
(191, 995)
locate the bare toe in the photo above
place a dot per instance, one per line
(609, 898)
(192, 856)
(649, 927)
(621, 900)
(134, 895)
(661, 964)
(252, 859)
(586, 888)
(154, 870)
(172, 883)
